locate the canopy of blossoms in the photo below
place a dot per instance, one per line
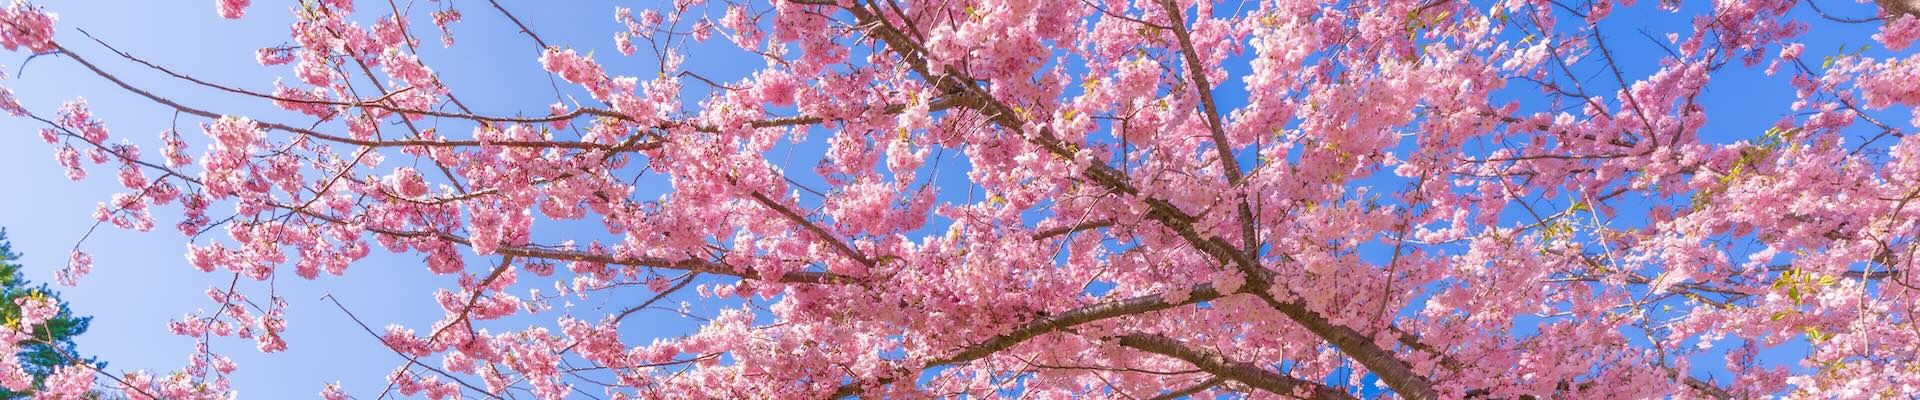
(1049, 199)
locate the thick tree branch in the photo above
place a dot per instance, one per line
(1198, 71)
(1191, 390)
(1394, 372)
(815, 229)
(1219, 365)
(1061, 322)
(1089, 225)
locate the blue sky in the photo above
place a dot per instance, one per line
(141, 279)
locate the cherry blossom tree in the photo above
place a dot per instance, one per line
(1056, 199)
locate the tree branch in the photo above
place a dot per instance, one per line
(1198, 70)
(1242, 372)
(1191, 390)
(1059, 322)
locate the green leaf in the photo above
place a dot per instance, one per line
(1786, 278)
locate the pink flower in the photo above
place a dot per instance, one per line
(623, 41)
(274, 55)
(578, 69)
(270, 343)
(333, 392)
(1900, 32)
(443, 19)
(310, 102)
(231, 9)
(68, 382)
(702, 30)
(558, 109)
(76, 116)
(407, 182)
(231, 133)
(1600, 10)
(26, 26)
(35, 310)
(313, 68)
(390, 32)
(1792, 51)
(11, 104)
(70, 159)
(79, 264)
(340, 6)
(12, 376)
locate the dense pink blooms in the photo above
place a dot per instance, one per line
(12, 376)
(79, 265)
(225, 167)
(312, 68)
(67, 382)
(231, 9)
(24, 25)
(390, 32)
(579, 69)
(1037, 199)
(76, 117)
(1900, 32)
(339, 6)
(70, 159)
(35, 310)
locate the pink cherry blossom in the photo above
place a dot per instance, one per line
(1015, 198)
(26, 26)
(334, 392)
(274, 55)
(1900, 32)
(79, 265)
(35, 310)
(443, 19)
(68, 382)
(231, 9)
(339, 6)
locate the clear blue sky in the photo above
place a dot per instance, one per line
(141, 279)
